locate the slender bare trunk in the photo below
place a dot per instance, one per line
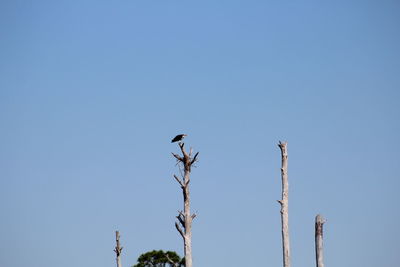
(319, 233)
(185, 218)
(285, 205)
(188, 227)
(118, 249)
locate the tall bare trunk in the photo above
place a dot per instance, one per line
(185, 218)
(285, 205)
(118, 249)
(319, 233)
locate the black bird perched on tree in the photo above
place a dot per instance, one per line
(179, 137)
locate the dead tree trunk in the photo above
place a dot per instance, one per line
(118, 249)
(285, 205)
(185, 218)
(319, 223)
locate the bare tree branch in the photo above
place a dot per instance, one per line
(170, 261)
(177, 156)
(182, 146)
(179, 230)
(179, 180)
(194, 158)
(187, 181)
(181, 218)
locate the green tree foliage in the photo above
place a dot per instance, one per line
(159, 258)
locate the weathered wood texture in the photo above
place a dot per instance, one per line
(285, 205)
(319, 233)
(118, 249)
(185, 218)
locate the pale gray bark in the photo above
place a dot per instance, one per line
(285, 205)
(118, 249)
(319, 233)
(185, 218)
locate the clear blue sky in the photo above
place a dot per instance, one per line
(91, 93)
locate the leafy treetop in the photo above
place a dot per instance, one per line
(159, 258)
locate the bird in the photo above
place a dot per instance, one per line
(179, 137)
